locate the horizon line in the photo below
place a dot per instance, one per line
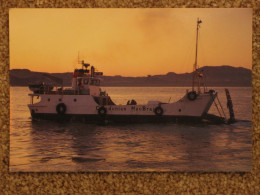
(134, 76)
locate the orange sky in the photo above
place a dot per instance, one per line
(129, 42)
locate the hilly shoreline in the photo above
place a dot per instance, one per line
(214, 75)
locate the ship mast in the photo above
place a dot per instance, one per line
(195, 67)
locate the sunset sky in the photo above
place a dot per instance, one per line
(129, 42)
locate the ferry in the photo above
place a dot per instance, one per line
(86, 101)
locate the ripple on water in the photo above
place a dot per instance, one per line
(53, 146)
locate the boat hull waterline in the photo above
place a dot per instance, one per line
(84, 108)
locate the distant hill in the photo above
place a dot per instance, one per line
(215, 76)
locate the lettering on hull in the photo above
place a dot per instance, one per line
(132, 108)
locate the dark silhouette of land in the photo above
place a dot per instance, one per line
(214, 75)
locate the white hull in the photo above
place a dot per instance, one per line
(86, 105)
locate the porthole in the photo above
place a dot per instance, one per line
(49, 99)
(75, 100)
(179, 110)
(60, 99)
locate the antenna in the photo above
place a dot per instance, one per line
(78, 58)
(196, 54)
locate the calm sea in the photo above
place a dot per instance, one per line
(52, 146)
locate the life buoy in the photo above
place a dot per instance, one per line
(61, 108)
(158, 111)
(102, 111)
(192, 95)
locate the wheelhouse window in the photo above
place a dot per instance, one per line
(85, 81)
(92, 82)
(79, 81)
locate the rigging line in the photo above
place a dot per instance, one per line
(202, 52)
(217, 108)
(188, 56)
(205, 83)
(221, 107)
(198, 49)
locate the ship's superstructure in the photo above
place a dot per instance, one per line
(85, 100)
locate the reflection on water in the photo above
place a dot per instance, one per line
(52, 146)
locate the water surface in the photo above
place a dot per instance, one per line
(52, 146)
